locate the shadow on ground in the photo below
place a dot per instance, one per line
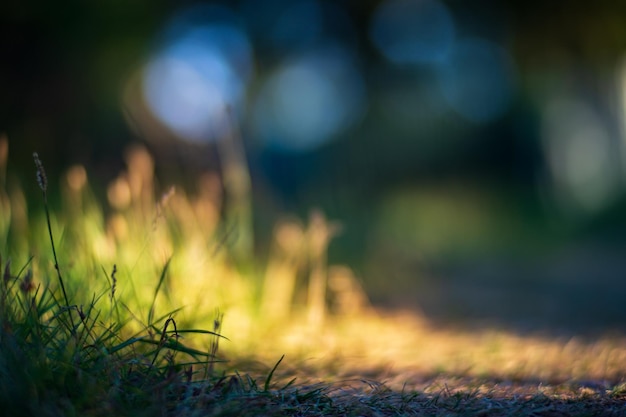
(578, 292)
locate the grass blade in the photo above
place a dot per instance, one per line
(200, 332)
(158, 288)
(268, 380)
(125, 344)
(176, 346)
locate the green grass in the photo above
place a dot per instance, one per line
(139, 310)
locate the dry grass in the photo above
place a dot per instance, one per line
(126, 263)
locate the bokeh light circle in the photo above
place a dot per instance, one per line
(201, 68)
(477, 80)
(412, 31)
(309, 100)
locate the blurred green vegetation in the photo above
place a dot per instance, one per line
(513, 216)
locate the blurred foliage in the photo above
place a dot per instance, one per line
(421, 191)
(64, 67)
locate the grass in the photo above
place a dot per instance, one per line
(138, 309)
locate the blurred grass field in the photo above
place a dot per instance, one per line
(174, 250)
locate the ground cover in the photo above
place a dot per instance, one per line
(137, 308)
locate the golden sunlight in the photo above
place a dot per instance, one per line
(168, 252)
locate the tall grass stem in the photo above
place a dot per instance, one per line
(42, 180)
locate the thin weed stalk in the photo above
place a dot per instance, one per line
(213, 348)
(42, 180)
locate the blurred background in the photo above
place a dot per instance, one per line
(472, 154)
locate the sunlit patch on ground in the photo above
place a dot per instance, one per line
(398, 363)
(401, 348)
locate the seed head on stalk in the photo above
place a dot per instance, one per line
(42, 180)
